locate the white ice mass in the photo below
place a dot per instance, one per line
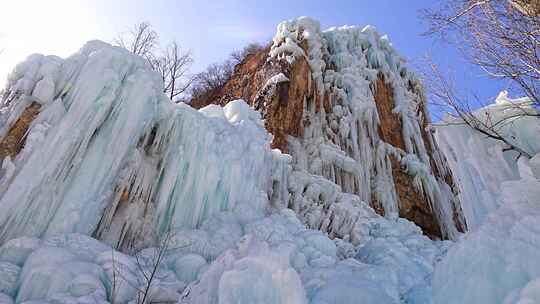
(195, 202)
(497, 261)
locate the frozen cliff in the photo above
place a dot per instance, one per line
(111, 193)
(345, 106)
(96, 158)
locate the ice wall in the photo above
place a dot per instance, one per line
(269, 258)
(498, 261)
(110, 155)
(109, 162)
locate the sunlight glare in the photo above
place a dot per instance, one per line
(57, 27)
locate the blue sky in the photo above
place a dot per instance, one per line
(213, 29)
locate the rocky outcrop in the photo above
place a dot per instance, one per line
(344, 105)
(280, 102)
(13, 142)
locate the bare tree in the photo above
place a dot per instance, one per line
(250, 49)
(114, 283)
(211, 80)
(148, 268)
(215, 75)
(208, 82)
(528, 7)
(150, 274)
(172, 63)
(502, 37)
(141, 40)
(443, 93)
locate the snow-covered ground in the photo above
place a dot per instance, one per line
(205, 218)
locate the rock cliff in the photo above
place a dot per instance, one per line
(346, 107)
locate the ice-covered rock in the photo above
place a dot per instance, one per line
(107, 155)
(482, 164)
(500, 257)
(344, 105)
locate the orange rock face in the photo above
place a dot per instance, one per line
(413, 205)
(14, 141)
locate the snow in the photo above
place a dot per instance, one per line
(9, 274)
(189, 266)
(504, 249)
(5, 299)
(528, 295)
(534, 164)
(277, 79)
(239, 110)
(280, 246)
(260, 276)
(288, 40)
(273, 259)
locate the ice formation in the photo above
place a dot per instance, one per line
(497, 262)
(108, 137)
(110, 161)
(342, 141)
(110, 193)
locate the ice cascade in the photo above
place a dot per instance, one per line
(96, 159)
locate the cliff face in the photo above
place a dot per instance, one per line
(13, 141)
(263, 84)
(344, 105)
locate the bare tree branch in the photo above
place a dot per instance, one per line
(147, 267)
(442, 92)
(141, 40)
(502, 37)
(172, 63)
(206, 85)
(173, 66)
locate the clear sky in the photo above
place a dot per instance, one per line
(212, 29)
